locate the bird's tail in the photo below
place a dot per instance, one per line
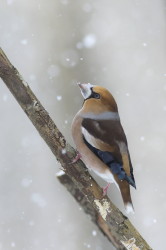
(129, 207)
(126, 196)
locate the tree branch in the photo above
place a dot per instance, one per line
(76, 178)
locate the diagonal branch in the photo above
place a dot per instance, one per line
(76, 178)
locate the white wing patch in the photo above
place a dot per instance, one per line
(88, 137)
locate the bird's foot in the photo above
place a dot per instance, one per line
(78, 156)
(105, 189)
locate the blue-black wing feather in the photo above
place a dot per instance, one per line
(115, 166)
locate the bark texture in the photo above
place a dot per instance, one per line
(76, 178)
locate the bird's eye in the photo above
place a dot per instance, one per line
(96, 96)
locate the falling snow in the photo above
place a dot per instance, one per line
(154, 221)
(59, 97)
(24, 42)
(9, 2)
(59, 220)
(94, 233)
(148, 221)
(69, 58)
(142, 138)
(31, 223)
(38, 199)
(26, 182)
(5, 97)
(13, 244)
(54, 46)
(53, 71)
(87, 245)
(89, 41)
(60, 173)
(32, 77)
(63, 151)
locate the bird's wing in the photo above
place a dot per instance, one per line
(107, 140)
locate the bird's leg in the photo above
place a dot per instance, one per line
(78, 156)
(105, 189)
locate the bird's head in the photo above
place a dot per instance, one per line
(97, 98)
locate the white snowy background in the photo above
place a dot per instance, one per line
(54, 44)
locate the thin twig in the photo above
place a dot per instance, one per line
(110, 220)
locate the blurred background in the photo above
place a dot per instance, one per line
(54, 44)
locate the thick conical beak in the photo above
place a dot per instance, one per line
(86, 89)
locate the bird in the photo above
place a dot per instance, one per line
(101, 141)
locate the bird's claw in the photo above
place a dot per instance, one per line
(78, 156)
(105, 189)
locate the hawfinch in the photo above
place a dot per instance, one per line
(101, 141)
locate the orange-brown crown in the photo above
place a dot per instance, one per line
(104, 102)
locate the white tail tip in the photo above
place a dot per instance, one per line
(129, 208)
